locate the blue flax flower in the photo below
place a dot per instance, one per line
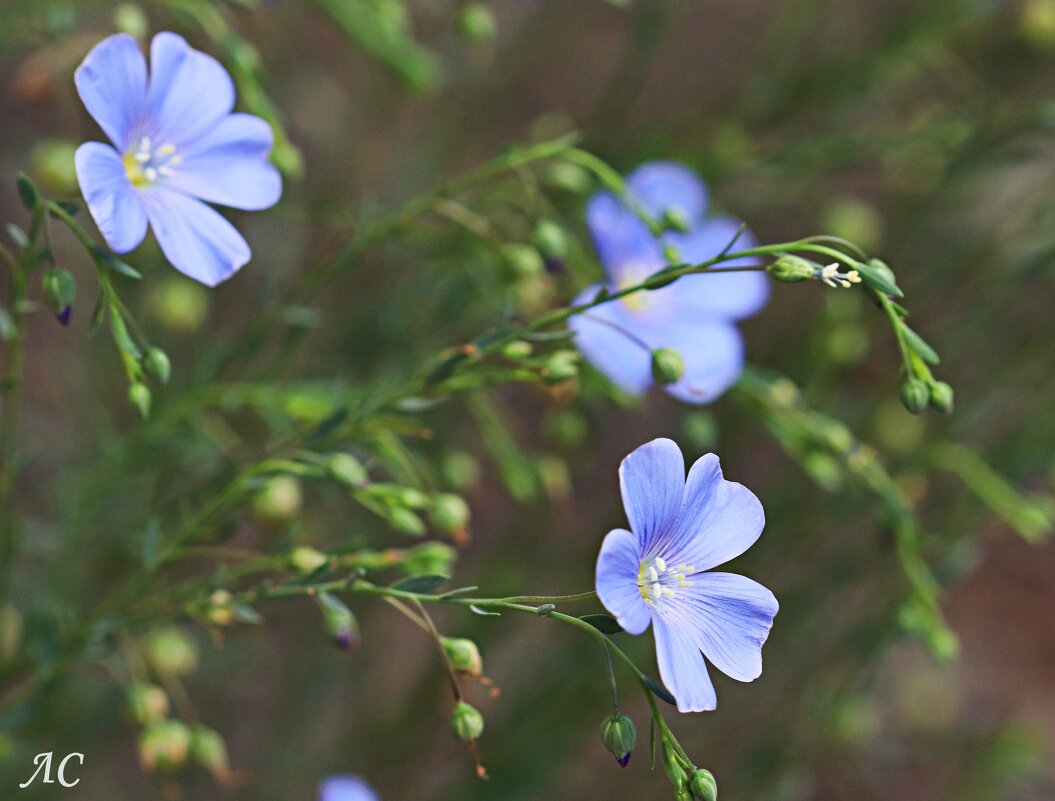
(695, 314)
(654, 573)
(175, 144)
(346, 788)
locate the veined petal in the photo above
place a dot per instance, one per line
(733, 296)
(623, 242)
(731, 617)
(662, 186)
(228, 165)
(195, 239)
(112, 200)
(599, 335)
(682, 668)
(652, 482)
(189, 91)
(713, 352)
(617, 569)
(346, 788)
(112, 83)
(719, 519)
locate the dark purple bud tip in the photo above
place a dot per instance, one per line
(554, 266)
(624, 760)
(345, 640)
(64, 316)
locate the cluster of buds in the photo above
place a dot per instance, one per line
(690, 783)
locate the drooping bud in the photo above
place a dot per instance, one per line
(524, 260)
(466, 722)
(915, 395)
(430, 558)
(139, 396)
(210, 751)
(307, 559)
(348, 470)
(464, 655)
(60, 290)
(340, 623)
(278, 500)
(667, 366)
(157, 365)
(674, 220)
(448, 513)
(551, 240)
(619, 735)
(790, 268)
(941, 397)
(703, 785)
(171, 651)
(164, 746)
(147, 702)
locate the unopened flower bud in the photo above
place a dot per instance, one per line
(405, 521)
(60, 290)
(562, 365)
(476, 23)
(915, 395)
(674, 220)
(164, 746)
(619, 736)
(220, 609)
(667, 366)
(139, 396)
(463, 655)
(348, 470)
(568, 177)
(524, 260)
(147, 702)
(466, 722)
(518, 349)
(683, 794)
(278, 500)
(941, 397)
(790, 268)
(551, 240)
(675, 772)
(210, 751)
(430, 558)
(157, 365)
(306, 559)
(448, 513)
(340, 623)
(171, 651)
(703, 785)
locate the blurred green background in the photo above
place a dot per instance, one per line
(924, 132)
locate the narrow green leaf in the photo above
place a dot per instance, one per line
(660, 692)
(71, 207)
(881, 280)
(121, 336)
(110, 260)
(919, 345)
(603, 623)
(420, 585)
(7, 324)
(481, 611)
(18, 236)
(27, 191)
(459, 591)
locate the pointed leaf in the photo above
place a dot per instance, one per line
(660, 692)
(603, 623)
(420, 585)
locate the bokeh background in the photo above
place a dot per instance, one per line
(925, 132)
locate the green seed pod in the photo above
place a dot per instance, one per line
(157, 365)
(524, 260)
(674, 220)
(619, 735)
(466, 722)
(306, 559)
(464, 655)
(348, 470)
(551, 240)
(209, 750)
(789, 268)
(915, 395)
(518, 349)
(405, 521)
(941, 397)
(60, 290)
(703, 785)
(562, 365)
(476, 23)
(667, 366)
(278, 500)
(171, 651)
(430, 558)
(164, 746)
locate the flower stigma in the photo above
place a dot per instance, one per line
(656, 580)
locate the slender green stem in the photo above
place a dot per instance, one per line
(10, 413)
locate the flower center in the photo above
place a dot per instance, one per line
(656, 580)
(144, 163)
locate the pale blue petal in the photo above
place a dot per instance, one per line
(599, 335)
(713, 353)
(189, 91)
(731, 617)
(196, 239)
(662, 186)
(112, 200)
(346, 788)
(624, 244)
(617, 568)
(228, 165)
(112, 83)
(733, 296)
(652, 482)
(719, 519)
(682, 668)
